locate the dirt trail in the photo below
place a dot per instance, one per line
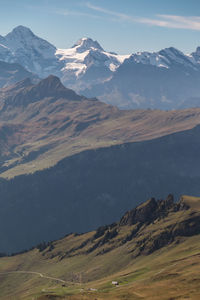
(35, 273)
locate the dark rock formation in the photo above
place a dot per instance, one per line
(149, 211)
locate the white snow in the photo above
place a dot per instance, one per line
(25, 48)
(38, 56)
(75, 58)
(165, 58)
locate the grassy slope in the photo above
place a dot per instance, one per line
(42, 133)
(171, 272)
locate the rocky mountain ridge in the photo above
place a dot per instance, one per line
(156, 243)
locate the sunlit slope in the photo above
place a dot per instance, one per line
(43, 123)
(96, 187)
(152, 252)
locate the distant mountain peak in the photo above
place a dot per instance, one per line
(171, 51)
(20, 31)
(35, 54)
(52, 83)
(50, 87)
(86, 43)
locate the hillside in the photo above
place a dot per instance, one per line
(42, 123)
(96, 187)
(80, 160)
(152, 252)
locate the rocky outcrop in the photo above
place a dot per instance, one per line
(185, 228)
(149, 211)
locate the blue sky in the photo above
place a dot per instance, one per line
(123, 26)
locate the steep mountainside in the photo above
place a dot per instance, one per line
(151, 253)
(95, 187)
(43, 123)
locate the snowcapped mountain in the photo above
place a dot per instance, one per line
(84, 59)
(165, 58)
(164, 79)
(87, 63)
(33, 53)
(167, 79)
(86, 52)
(39, 56)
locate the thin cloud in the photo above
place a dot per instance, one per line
(166, 21)
(62, 12)
(77, 14)
(123, 17)
(173, 21)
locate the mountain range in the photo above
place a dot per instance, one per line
(74, 163)
(167, 79)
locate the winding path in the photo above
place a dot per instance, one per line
(35, 273)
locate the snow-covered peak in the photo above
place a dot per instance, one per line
(20, 32)
(86, 61)
(85, 54)
(24, 39)
(165, 58)
(148, 58)
(171, 51)
(174, 56)
(21, 45)
(85, 44)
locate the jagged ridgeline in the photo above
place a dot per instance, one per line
(156, 243)
(150, 226)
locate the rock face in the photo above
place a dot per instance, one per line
(149, 211)
(154, 211)
(150, 227)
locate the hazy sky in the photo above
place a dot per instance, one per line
(123, 26)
